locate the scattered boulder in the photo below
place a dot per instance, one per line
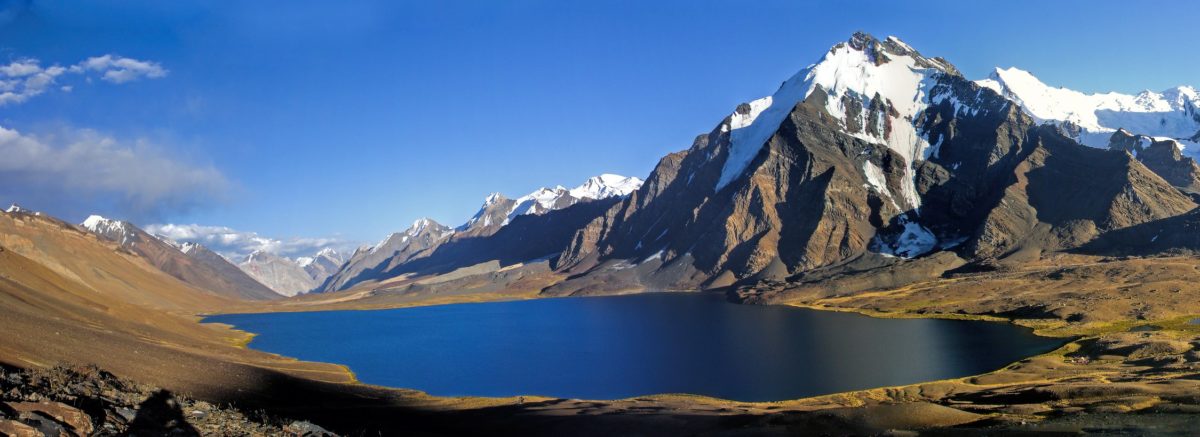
(302, 428)
(75, 420)
(84, 400)
(17, 429)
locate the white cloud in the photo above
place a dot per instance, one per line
(236, 245)
(23, 79)
(20, 68)
(79, 168)
(117, 69)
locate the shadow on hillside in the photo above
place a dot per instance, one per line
(526, 237)
(160, 414)
(370, 410)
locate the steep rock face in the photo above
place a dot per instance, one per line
(492, 216)
(193, 264)
(282, 275)
(836, 163)
(1003, 183)
(1162, 156)
(1056, 201)
(885, 151)
(373, 262)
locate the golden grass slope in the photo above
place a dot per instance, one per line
(70, 297)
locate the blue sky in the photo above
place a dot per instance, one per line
(308, 119)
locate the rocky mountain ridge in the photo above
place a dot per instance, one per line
(498, 210)
(546, 217)
(189, 262)
(1091, 119)
(283, 275)
(874, 153)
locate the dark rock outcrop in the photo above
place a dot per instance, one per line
(1163, 157)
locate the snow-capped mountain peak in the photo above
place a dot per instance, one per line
(605, 186)
(304, 261)
(327, 255)
(115, 230)
(420, 228)
(188, 247)
(330, 253)
(1093, 118)
(498, 210)
(14, 208)
(493, 198)
(853, 74)
(544, 199)
(427, 225)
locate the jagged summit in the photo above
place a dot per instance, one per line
(550, 199)
(605, 186)
(115, 230)
(874, 88)
(189, 262)
(498, 210)
(98, 223)
(423, 224)
(423, 227)
(493, 198)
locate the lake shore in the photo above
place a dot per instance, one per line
(697, 343)
(1094, 381)
(1105, 374)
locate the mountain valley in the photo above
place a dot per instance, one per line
(879, 181)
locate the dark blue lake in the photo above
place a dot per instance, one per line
(625, 346)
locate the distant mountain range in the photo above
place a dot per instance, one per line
(261, 275)
(264, 275)
(428, 246)
(286, 276)
(189, 262)
(873, 157)
(876, 154)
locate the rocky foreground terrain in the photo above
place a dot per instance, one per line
(82, 401)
